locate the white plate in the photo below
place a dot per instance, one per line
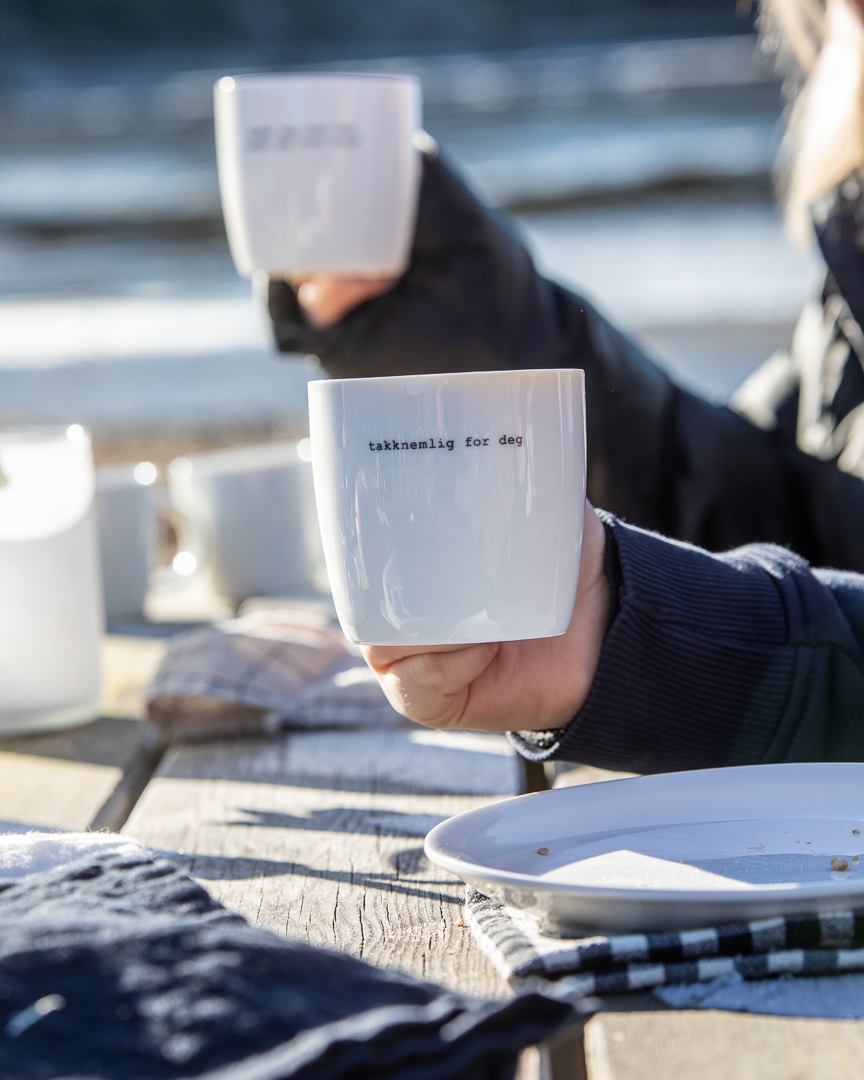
(672, 851)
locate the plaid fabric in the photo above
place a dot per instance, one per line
(824, 944)
(268, 670)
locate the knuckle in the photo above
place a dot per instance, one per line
(427, 672)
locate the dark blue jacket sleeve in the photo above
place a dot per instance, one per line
(473, 300)
(733, 659)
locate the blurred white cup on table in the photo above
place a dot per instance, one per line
(318, 172)
(51, 615)
(126, 509)
(246, 516)
(451, 506)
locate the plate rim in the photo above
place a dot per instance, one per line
(759, 895)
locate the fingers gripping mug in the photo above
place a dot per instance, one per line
(451, 506)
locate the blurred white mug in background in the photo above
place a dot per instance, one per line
(126, 508)
(318, 172)
(246, 516)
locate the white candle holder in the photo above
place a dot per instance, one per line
(51, 617)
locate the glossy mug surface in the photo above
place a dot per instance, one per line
(318, 173)
(451, 506)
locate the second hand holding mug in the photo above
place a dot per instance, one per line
(451, 506)
(318, 173)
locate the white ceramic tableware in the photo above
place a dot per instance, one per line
(451, 506)
(676, 851)
(51, 613)
(247, 516)
(318, 172)
(126, 513)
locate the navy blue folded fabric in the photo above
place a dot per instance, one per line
(126, 968)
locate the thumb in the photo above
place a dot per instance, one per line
(433, 687)
(326, 300)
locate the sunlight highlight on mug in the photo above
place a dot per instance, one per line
(451, 506)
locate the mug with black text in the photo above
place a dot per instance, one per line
(451, 506)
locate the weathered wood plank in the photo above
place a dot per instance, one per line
(721, 1046)
(128, 664)
(86, 778)
(320, 836)
(90, 776)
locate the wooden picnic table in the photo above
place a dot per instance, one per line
(319, 836)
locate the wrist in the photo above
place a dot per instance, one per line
(593, 612)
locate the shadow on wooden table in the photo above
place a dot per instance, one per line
(425, 765)
(104, 741)
(87, 777)
(372, 822)
(238, 868)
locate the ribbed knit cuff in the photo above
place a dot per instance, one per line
(697, 667)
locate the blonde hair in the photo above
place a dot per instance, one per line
(824, 140)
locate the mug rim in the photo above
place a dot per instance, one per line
(432, 376)
(227, 84)
(71, 432)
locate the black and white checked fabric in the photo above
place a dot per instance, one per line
(823, 944)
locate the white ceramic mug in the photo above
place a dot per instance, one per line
(126, 513)
(247, 516)
(451, 506)
(318, 172)
(51, 614)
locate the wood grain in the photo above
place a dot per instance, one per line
(74, 780)
(90, 776)
(129, 662)
(722, 1046)
(320, 836)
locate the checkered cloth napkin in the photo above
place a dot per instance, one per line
(268, 670)
(585, 967)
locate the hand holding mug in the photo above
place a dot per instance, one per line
(500, 686)
(469, 298)
(326, 299)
